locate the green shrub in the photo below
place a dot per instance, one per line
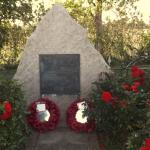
(14, 131)
(122, 109)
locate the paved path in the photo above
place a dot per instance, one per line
(63, 139)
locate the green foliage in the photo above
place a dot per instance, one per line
(125, 118)
(13, 45)
(82, 14)
(17, 21)
(136, 139)
(14, 131)
(3, 34)
(111, 39)
(13, 9)
(145, 45)
(121, 39)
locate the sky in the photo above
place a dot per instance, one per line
(143, 6)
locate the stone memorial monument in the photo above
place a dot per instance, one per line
(60, 62)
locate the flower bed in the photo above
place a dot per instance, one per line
(122, 110)
(13, 128)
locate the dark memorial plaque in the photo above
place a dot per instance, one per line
(60, 74)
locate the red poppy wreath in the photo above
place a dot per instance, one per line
(43, 115)
(76, 119)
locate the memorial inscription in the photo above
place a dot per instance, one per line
(60, 74)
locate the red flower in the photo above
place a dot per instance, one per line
(5, 116)
(141, 80)
(141, 72)
(136, 72)
(143, 148)
(123, 104)
(147, 142)
(126, 86)
(113, 102)
(147, 145)
(134, 68)
(7, 107)
(137, 83)
(106, 96)
(134, 88)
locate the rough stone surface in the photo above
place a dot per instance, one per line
(58, 33)
(63, 103)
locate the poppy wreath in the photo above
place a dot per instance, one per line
(146, 145)
(73, 123)
(5, 110)
(53, 120)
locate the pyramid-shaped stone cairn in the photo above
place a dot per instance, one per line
(59, 33)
